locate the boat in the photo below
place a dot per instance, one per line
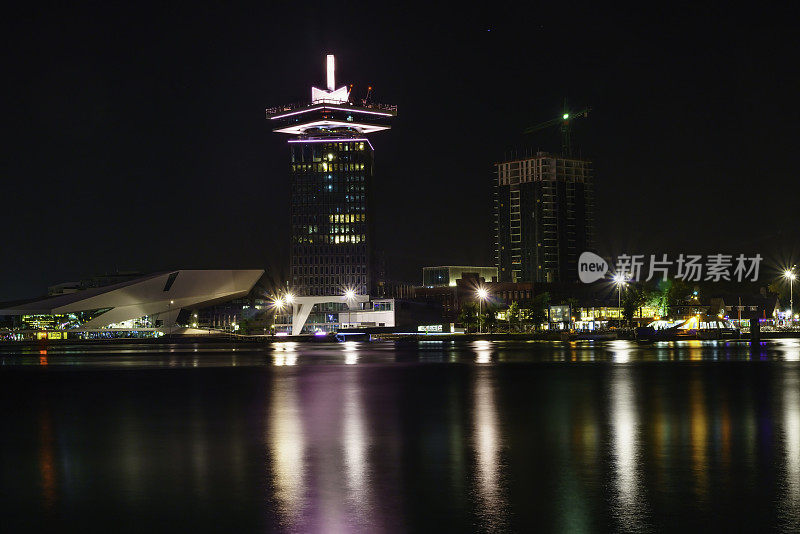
(695, 327)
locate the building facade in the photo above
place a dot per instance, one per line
(543, 216)
(331, 236)
(447, 275)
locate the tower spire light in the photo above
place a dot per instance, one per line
(331, 94)
(331, 73)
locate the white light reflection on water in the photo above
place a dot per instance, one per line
(285, 353)
(629, 507)
(483, 351)
(354, 443)
(286, 442)
(350, 352)
(486, 437)
(789, 349)
(791, 411)
(621, 350)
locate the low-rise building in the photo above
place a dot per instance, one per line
(449, 275)
(146, 304)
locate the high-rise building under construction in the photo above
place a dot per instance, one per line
(544, 217)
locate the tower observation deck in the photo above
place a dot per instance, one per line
(331, 113)
(331, 168)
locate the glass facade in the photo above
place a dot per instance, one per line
(331, 237)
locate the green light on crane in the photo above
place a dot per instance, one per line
(565, 122)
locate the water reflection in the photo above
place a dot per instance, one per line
(318, 442)
(621, 350)
(699, 437)
(350, 352)
(355, 444)
(486, 436)
(285, 353)
(625, 443)
(286, 440)
(789, 349)
(504, 440)
(791, 439)
(483, 351)
(47, 461)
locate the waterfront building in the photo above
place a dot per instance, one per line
(331, 169)
(147, 304)
(543, 217)
(361, 315)
(448, 275)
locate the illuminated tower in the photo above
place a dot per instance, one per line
(331, 170)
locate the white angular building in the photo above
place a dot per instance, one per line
(159, 297)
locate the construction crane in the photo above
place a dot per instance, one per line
(565, 121)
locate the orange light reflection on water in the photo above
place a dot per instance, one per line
(47, 469)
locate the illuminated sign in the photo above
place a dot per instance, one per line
(429, 328)
(51, 335)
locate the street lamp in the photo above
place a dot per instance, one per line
(482, 294)
(169, 318)
(619, 280)
(350, 295)
(289, 298)
(789, 274)
(278, 303)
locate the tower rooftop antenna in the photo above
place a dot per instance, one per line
(331, 72)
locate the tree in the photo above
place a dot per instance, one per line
(512, 314)
(635, 297)
(679, 292)
(536, 308)
(489, 318)
(468, 316)
(656, 296)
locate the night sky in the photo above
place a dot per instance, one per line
(136, 139)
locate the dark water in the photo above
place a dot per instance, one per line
(439, 436)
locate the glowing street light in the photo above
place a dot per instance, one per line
(790, 275)
(619, 280)
(482, 295)
(289, 298)
(350, 295)
(169, 317)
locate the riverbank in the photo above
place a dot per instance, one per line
(245, 341)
